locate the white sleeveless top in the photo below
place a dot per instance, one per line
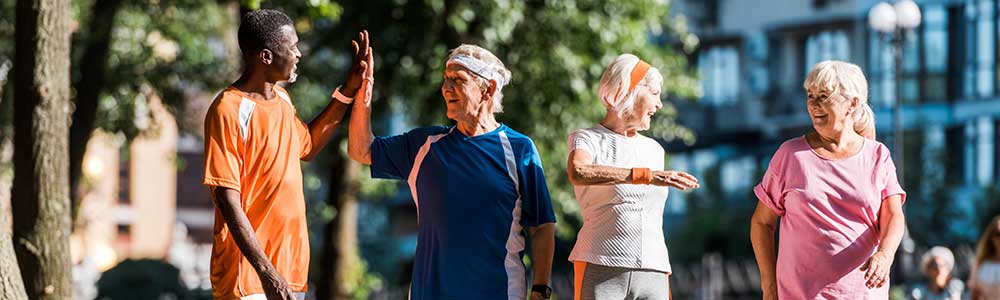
(623, 223)
(986, 280)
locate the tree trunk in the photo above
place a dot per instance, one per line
(11, 286)
(340, 247)
(93, 66)
(41, 206)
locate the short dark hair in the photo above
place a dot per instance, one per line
(260, 29)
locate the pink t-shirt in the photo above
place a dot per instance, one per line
(829, 218)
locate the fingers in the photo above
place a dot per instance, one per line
(678, 183)
(370, 72)
(869, 269)
(877, 273)
(687, 181)
(688, 177)
(673, 183)
(367, 39)
(871, 275)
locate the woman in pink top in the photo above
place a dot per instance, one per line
(838, 198)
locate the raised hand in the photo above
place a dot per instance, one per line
(676, 179)
(361, 67)
(364, 93)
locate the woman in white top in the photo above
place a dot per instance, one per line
(621, 187)
(985, 278)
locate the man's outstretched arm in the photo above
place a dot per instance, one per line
(321, 128)
(360, 138)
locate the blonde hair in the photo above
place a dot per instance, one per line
(986, 248)
(616, 80)
(839, 77)
(491, 60)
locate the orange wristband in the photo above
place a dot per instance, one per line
(641, 176)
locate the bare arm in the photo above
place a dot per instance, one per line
(228, 202)
(892, 224)
(360, 137)
(322, 127)
(762, 226)
(542, 249)
(582, 172)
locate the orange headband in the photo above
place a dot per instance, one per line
(638, 73)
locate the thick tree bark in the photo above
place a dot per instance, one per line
(11, 286)
(40, 205)
(340, 247)
(93, 66)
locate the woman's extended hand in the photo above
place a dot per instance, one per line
(676, 179)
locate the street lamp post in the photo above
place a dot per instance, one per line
(894, 22)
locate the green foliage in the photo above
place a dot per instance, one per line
(7, 29)
(166, 48)
(555, 68)
(361, 282)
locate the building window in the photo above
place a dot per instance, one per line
(935, 41)
(985, 48)
(881, 84)
(720, 74)
(826, 45)
(925, 62)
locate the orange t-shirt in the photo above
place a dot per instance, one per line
(254, 147)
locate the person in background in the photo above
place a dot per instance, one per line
(985, 278)
(937, 265)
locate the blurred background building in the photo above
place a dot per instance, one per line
(753, 57)
(143, 200)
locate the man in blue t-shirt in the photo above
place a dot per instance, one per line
(478, 187)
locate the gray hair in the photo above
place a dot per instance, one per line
(492, 61)
(616, 80)
(937, 251)
(833, 77)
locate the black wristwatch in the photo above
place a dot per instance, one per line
(545, 290)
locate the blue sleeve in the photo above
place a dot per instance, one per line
(536, 206)
(393, 156)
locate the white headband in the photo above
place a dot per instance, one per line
(478, 67)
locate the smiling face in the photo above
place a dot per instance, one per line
(647, 102)
(830, 112)
(465, 94)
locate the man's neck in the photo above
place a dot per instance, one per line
(481, 126)
(256, 86)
